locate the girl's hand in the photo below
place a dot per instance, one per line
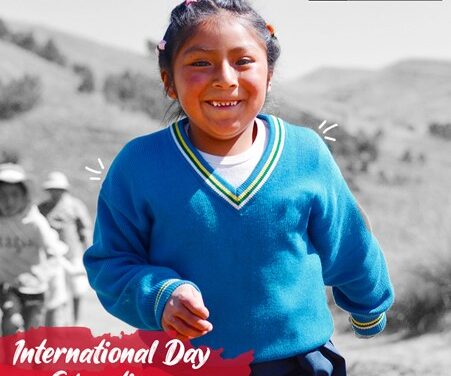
(186, 313)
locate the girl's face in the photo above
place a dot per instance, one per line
(12, 199)
(220, 78)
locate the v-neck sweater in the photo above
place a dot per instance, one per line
(260, 254)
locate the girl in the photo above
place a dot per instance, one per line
(225, 226)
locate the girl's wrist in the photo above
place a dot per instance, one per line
(366, 326)
(163, 292)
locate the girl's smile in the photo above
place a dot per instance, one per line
(220, 78)
(223, 104)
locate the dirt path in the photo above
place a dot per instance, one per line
(427, 355)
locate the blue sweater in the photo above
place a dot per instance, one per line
(260, 254)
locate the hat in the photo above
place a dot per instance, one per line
(12, 173)
(56, 180)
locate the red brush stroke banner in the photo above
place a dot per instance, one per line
(76, 352)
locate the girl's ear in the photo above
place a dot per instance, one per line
(268, 83)
(168, 86)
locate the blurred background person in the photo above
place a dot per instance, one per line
(57, 297)
(26, 241)
(69, 216)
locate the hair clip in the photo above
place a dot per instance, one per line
(188, 2)
(160, 47)
(271, 29)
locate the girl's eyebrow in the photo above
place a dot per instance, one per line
(197, 48)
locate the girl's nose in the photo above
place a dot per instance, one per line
(226, 77)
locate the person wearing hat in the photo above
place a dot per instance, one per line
(27, 243)
(70, 218)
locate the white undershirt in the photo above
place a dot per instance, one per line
(235, 169)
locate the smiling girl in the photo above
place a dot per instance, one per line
(226, 226)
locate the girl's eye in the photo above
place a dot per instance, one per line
(201, 63)
(244, 61)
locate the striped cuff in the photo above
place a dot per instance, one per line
(164, 290)
(368, 325)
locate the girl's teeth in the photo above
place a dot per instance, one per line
(224, 104)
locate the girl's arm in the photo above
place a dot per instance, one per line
(119, 271)
(118, 266)
(352, 259)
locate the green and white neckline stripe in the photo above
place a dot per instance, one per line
(237, 197)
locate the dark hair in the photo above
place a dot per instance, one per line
(185, 18)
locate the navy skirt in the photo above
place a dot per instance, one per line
(323, 361)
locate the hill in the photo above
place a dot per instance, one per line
(409, 94)
(68, 130)
(102, 59)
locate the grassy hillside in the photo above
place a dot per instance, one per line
(68, 130)
(408, 94)
(102, 59)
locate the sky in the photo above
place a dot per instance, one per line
(313, 34)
